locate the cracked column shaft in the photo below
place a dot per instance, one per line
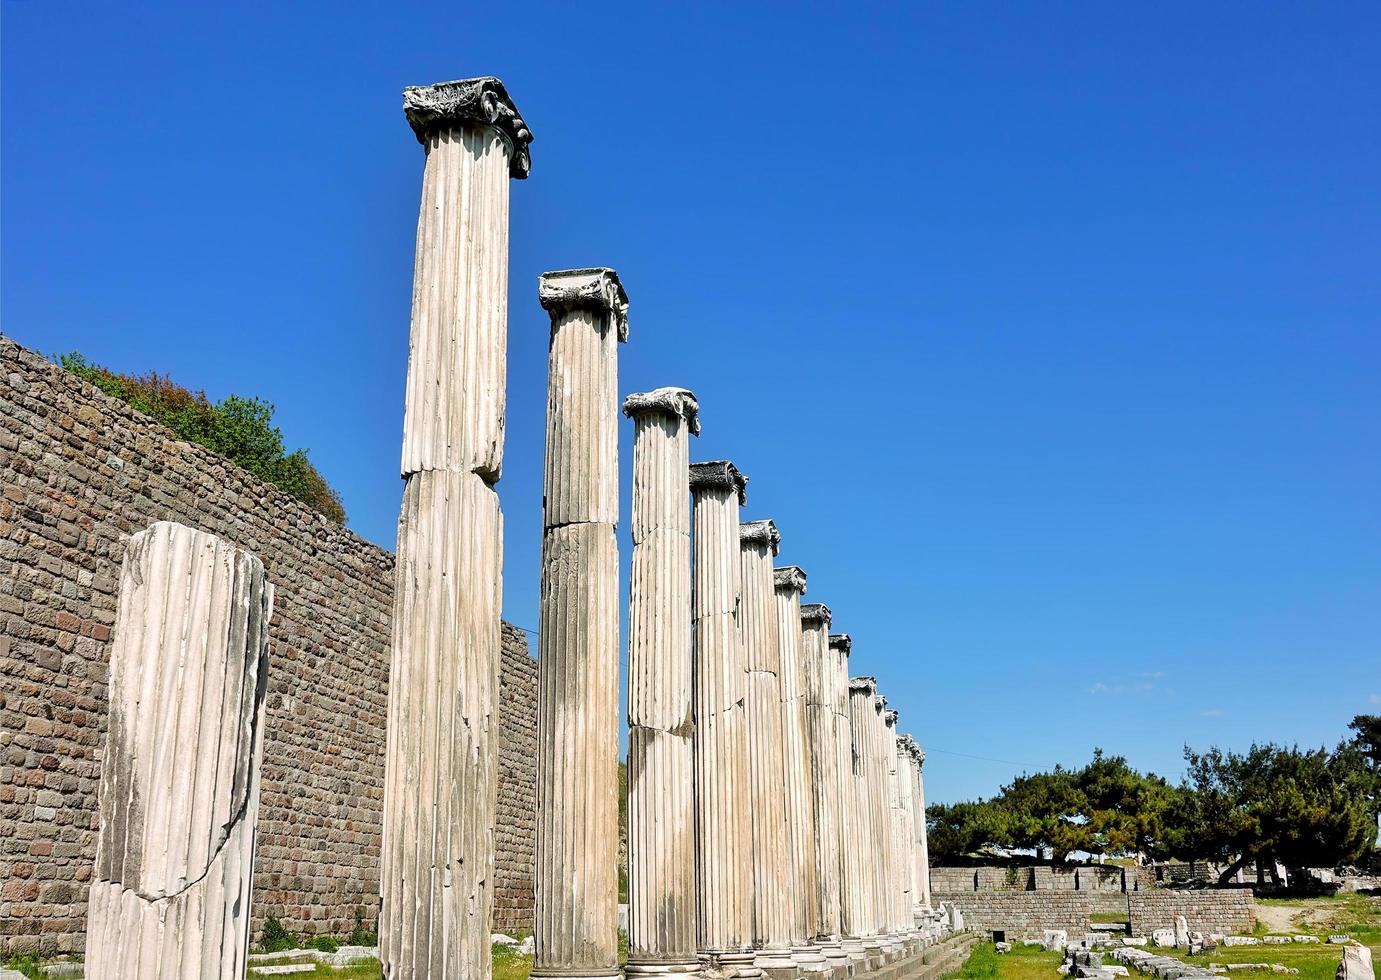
(851, 885)
(435, 882)
(763, 700)
(180, 775)
(799, 811)
(820, 674)
(862, 870)
(723, 822)
(578, 664)
(661, 831)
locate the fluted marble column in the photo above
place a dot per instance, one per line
(180, 774)
(906, 836)
(436, 883)
(899, 863)
(763, 700)
(851, 917)
(820, 675)
(862, 867)
(661, 828)
(576, 877)
(921, 889)
(723, 820)
(879, 788)
(790, 584)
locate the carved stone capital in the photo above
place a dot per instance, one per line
(760, 532)
(890, 717)
(719, 474)
(597, 289)
(861, 685)
(676, 402)
(842, 641)
(470, 101)
(816, 612)
(909, 745)
(789, 578)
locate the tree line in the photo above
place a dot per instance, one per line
(1301, 807)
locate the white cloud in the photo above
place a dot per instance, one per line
(1374, 698)
(1212, 712)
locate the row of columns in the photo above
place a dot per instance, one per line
(776, 821)
(773, 815)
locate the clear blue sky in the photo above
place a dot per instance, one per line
(1049, 334)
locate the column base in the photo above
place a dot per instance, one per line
(559, 974)
(733, 964)
(662, 968)
(811, 959)
(835, 958)
(777, 964)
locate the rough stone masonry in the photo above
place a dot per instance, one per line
(81, 472)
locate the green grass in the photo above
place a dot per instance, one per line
(1107, 917)
(1022, 963)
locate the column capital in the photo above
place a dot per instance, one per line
(816, 612)
(789, 578)
(598, 289)
(676, 402)
(862, 685)
(760, 532)
(470, 101)
(890, 717)
(842, 641)
(912, 748)
(719, 474)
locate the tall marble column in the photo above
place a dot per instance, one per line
(861, 868)
(723, 821)
(921, 891)
(661, 828)
(851, 917)
(882, 827)
(180, 774)
(914, 758)
(906, 834)
(899, 864)
(820, 675)
(763, 700)
(578, 662)
(436, 884)
(790, 584)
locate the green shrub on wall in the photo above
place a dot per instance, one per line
(240, 429)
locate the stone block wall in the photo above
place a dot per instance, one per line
(79, 473)
(1227, 910)
(515, 826)
(1040, 877)
(1021, 915)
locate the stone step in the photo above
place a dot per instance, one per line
(281, 969)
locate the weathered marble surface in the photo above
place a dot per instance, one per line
(578, 631)
(180, 774)
(436, 880)
(723, 821)
(661, 825)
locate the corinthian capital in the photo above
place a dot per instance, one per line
(816, 612)
(483, 101)
(842, 641)
(596, 289)
(789, 578)
(760, 532)
(719, 474)
(676, 402)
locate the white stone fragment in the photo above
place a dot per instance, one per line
(1356, 963)
(179, 792)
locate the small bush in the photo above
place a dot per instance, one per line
(361, 935)
(327, 944)
(275, 937)
(240, 429)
